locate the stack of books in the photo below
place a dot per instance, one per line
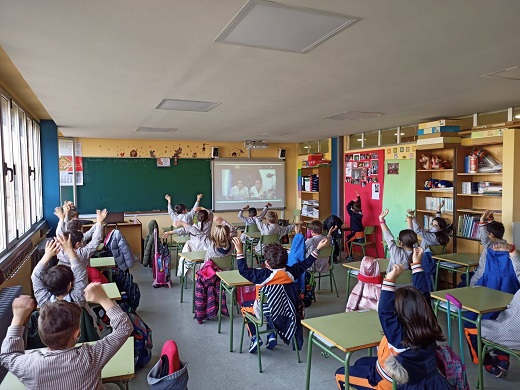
(468, 225)
(311, 208)
(469, 187)
(311, 183)
(438, 133)
(433, 203)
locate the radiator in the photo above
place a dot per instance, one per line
(7, 295)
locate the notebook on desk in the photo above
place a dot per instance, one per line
(115, 217)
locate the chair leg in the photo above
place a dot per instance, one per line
(242, 337)
(295, 345)
(319, 281)
(333, 279)
(258, 348)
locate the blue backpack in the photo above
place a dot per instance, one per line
(143, 343)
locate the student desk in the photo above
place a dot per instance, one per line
(178, 243)
(354, 266)
(229, 281)
(112, 291)
(349, 332)
(193, 258)
(103, 264)
(479, 300)
(118, 369)
(453, 261)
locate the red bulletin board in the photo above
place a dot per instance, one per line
(364, 173)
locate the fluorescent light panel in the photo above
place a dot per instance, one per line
(354, 115)
(509, 73)
(185, 105)
(274, 26)
(156, 130)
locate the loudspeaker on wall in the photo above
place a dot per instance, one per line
(214, 152)
(281, 154)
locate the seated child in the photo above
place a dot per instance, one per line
(276, 274)
(271, 227)
(220, 243)
(84, 253)
(398, 254)
(250, 220)
(63, 365)
(68, 220)
(365, 294)
(407, 353)
(316, 228)
(59, 282)
(357, 230)
(438, 233)
(180, 213)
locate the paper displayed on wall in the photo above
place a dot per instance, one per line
(374, 167)
(66, 147)
(348, 169)
(163, 162)
(375, 191)
(392, 169)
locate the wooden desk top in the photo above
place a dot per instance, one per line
(467, 259)
(111, 290)
(194, 257)
(99, 262)
(477, 299)
(233, 278)
(120, 367)
(348, 331)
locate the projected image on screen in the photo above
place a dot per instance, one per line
(237, 183)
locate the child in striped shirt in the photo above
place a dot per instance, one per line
(63, 365)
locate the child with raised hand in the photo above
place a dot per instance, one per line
(438, 232)
(180, 213)
(270, 226)
(84, 253)
(316, 229)
(250, 219)
(407, 353)
(63, 365)
(398, 254)
(220, 242)
(275, 274)
(357, 230)
(59, 282)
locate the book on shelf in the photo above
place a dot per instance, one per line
(469, 187)
(439, 140)
(310, 183)
(438, 129)
(440, 122)
(432, 203)
(468, 225)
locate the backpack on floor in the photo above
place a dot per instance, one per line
(130, 293)
(451, 367)
(161, 264)
(143, 343)
(310, 285)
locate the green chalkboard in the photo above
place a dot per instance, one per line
(137, 184)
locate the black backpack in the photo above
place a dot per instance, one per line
(310, 285)
(284, 239)
(130, 293)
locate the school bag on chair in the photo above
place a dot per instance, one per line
(161, 264)
(130, 293)
(143, 343)
(169, 373)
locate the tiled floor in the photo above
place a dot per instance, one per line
(212, 366)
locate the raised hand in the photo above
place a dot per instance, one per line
(95, 293)
(22, 306)
(411, 213)
(238, 245)
(268, 205)
(246, 207)
(58, 211)
(199, 197)
(66, 244)
(322, 244)
(417, 255)
(297, 228)
(168, 198)
(383, 214)
(52, 248)
(101, 215)
(397, 269)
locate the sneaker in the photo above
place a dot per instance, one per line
(255, 343)
(503, 365)
(349, 258)
(494, 370)
(271, 341)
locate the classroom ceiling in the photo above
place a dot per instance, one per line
(101, 67)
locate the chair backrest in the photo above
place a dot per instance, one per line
(296, 216)
(251, 229)
(224, 263)
(437, 249)
(405, 277)
(269, 238)
(369, 230)
(327, 252)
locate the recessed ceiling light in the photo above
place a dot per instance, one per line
(359, 139)
(274, 26)
(517, 116)
(306, 147)
(185, 105)
(155, 130)
(354, 115)
(401, 134)
(509, 73)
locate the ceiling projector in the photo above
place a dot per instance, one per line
(255, 145)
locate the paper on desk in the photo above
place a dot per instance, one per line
(324, 341)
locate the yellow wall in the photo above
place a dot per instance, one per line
(510, 181)
(102, 147)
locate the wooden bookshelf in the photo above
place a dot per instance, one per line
(322, 197)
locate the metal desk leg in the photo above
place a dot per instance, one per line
(349, 270)
(347, 369)
(182, 279)
(193, 286)
(437, 275)
(309, 355)
(220, 306)
(233, 298)
(479, 353)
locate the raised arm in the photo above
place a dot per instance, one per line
(419, 278)
(264, 210)
(41, 293)
(486, 217)
(254, 275)
(78, 269)
(386, 309)
(58, 211)
(241, 213)
(88, 250)
(299, 268)
(171, 213)
(196, 206)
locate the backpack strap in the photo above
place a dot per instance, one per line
(155, 239)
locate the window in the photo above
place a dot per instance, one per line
(389, 136)
(355, 141)
(21, 197)
(310, 147)
(408, 133)
(492, 117)
(371, 139)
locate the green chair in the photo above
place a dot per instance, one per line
(327, 252)
(296, 217)
(437, 249)
(258, 323)
(264, 239)
(489, 346)
(250, 242)
(367, 241)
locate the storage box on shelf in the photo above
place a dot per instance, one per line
(316, 193)
(429, 194)
(475, 193)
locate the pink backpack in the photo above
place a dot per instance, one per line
(451, 367)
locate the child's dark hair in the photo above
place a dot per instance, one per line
(179, 208)
(57, 279)
(75, 236)
(252, 212)
(202, 216)
(416, 316)
(73, 212)
(75, 224)
(356, 206)
(316, 227)
(57, 323)
(275, 255)
(496, 228)
(442, 234)
(408, 238)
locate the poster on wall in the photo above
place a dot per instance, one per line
(376, 191)
(393, 169)
(374, 167)
(348, 169)
(66, 164)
